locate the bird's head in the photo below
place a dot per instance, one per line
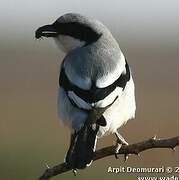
(71, 31)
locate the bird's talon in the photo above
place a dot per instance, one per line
(126, 157)
(116, 156)
(173, 149)
(118, 147)
(74, 172)
(47, 166)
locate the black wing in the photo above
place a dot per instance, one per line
(81, 150)
(95, 94)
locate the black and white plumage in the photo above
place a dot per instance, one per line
(93, 73)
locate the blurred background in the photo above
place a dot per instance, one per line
(30, 133)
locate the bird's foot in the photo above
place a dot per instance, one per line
(119, 143)
(74, 172)
(118, 147)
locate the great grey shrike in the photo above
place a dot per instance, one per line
(93, 74)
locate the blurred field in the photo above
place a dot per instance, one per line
(30, 133)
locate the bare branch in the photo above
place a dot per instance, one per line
(110, 150)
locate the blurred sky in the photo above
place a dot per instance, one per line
(30, 134)
(138, 19)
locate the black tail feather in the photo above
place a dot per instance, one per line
(81, 149)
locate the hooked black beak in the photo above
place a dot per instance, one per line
(46, 31)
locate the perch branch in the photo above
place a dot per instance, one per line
(110, 150)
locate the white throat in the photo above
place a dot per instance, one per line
(68, 43)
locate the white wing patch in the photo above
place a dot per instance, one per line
(78, 101)
(110, 98)
(102, 103)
